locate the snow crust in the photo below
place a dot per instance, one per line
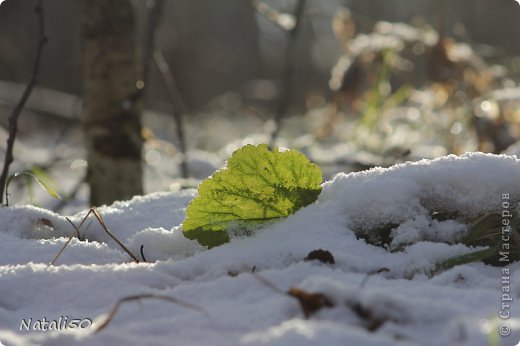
(456, 307)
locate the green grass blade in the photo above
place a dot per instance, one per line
(471, 257)
(44, 181)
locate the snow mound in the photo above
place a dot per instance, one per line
(378, 297)
(472, 183)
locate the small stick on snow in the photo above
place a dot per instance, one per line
(76, 231)
(266, 282)
(114, 310)
(142, 253)
(102, 223)
(99, 218)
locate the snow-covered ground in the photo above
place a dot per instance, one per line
(400, 305)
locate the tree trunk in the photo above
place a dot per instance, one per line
(112, 106)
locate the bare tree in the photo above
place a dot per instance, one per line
(112, 105)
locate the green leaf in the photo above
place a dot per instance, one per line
(256, 185)
(45, 181)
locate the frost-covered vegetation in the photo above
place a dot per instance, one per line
(383, 212)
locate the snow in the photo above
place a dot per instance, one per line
(400, 302)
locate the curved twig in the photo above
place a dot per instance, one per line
(115, 309)
(142, 253)
(13, 119)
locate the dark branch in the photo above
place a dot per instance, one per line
(287, 77)
(13, 119)
(151, 52)
(177, 105)
(152, 23)
(142, 252)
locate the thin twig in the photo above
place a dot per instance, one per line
(76, 231)
(104, 226)
(114, 310)
(142, 252)
(177, 105)
(76, 228)
(150, 51)
(13, 119)
(287, 77)
(266, 282)
(99, 218)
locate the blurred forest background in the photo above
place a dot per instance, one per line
(352, 84)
